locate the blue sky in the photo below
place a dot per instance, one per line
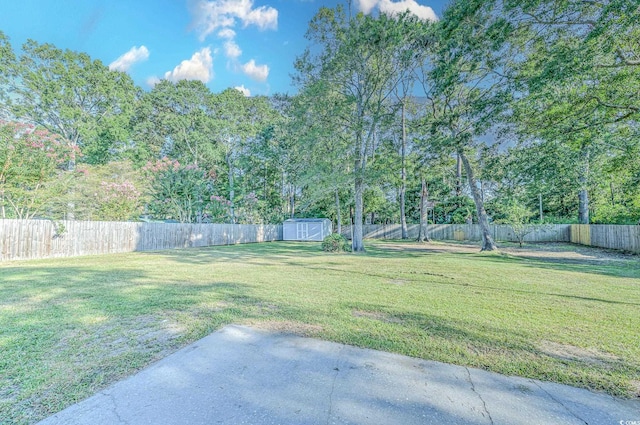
(249, 44)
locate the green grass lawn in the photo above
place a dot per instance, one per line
(69, 327)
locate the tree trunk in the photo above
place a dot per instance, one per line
(264, 184)
(403, 214)
(540, 205)
(613, 197)
(487, 241)
(292, 201)
(458, 177)
(284, 204)
(356, 242)
(583, 194)
(351, 221)
(338, 217)
(71, 208)
(232, 210)
(71, 167)
(423, 235)
(583, 206)
(403, 177)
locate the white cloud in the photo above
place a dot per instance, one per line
(152, 81)
(232, 50)
(366, 6)
(210, 15)
(199, 67)
(124, 62)
(264, 17)
(245, 91)
(227, 33)
(393, 7)
(256, 72)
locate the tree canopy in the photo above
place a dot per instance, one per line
(498, 108)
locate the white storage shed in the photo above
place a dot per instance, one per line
(306, 229)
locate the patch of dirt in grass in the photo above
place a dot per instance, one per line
(168, 332)
(552, 251)
(376, 315)
(571, 352)
(569, 253)
(158, 333)
(141, 333)
(266, 308)
(636, 388)
(8, 392)
(286, 326)
(206, 307)
(398, 282)
(437, 247)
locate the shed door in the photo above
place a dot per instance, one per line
(302, 231)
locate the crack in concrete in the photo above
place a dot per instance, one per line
(473, 388)
(115, 408)
(559, 402)
(333, 384)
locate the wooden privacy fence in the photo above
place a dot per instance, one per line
(626, 238)
(612, 236)
(30, 239)
(465, 232)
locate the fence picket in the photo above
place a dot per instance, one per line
(626, 238)
(31, 239)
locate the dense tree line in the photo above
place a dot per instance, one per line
(501, 110)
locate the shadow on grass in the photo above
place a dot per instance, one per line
(72, 292)
(621, 266)
(70, 331)
(441, 279)
(283, 251)
(279, 251)
(295, 253)
(623, 269)
(598, 262)
(488, 347)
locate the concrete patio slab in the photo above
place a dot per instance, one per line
(241, 375)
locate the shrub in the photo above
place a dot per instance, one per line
(336, 243)
(118, 201)
(183, 193)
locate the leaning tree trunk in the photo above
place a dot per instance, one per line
(487, 241)
(423, 235)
